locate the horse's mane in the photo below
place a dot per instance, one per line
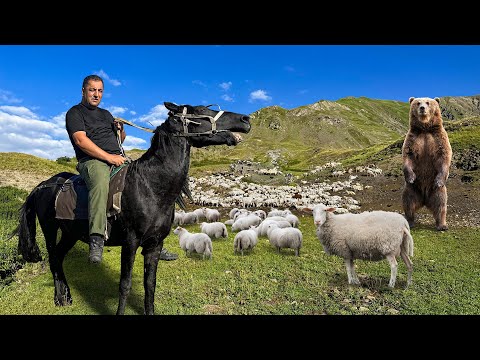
(162, 140)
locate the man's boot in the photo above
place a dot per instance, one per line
(96, 248)
(165, 255)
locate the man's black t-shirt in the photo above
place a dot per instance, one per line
(97, 124)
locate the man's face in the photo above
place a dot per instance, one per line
(93, 93)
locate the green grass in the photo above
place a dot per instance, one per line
(446, 280)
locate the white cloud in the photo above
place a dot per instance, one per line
(259, 95)
(156, 116)
(132, 142)
(133, 112)
(105, 76)
(26, 132)
(226, 85)
(117, 110)
(23, 131)
(8, 97)
(226, 97)
(198, 82)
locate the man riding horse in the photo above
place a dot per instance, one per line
(93, 134)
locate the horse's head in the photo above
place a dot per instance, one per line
(203, 126)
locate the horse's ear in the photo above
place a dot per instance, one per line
(171, 106)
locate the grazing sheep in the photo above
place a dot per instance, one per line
(211, 215)
(288, 237)
(194, 242)
(188, 218)
(244, 223)
(232, 212)
(276, 212)
(215, 229)
(200, 212)
(371, 235)
(292, 219)
(263, 227)
(261, 214)
(229, 222)
(245, 240)
(178, 218)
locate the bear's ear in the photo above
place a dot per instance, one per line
(437, 99)
(411, 99)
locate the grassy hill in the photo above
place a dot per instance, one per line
(352, 130)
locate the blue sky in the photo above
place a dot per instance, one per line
(39, 83)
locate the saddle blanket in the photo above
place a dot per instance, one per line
(71, 202)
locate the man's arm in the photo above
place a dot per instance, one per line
(89, 148)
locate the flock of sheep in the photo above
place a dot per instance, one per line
(370, 235)
(279, 226)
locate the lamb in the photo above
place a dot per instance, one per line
(194, 242)
(215, 229)
(245, 240)
(261, 229)
(288, 237)
(371, 235)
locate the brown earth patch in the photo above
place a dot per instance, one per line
(463, 206)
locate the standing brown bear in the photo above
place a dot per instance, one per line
(427, 155)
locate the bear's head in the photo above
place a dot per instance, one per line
(425, 112)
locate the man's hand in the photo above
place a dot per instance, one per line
(118, 125)
(116, 160)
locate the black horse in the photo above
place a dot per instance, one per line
(152, 185)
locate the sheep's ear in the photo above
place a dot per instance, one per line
(307, 210)
(331, 209)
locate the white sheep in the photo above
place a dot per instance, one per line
(188, 218)
(228, 222)
(288, 237)
(178, 217)
(211, 215)
(245, 240)
(263, 227)
(200, 213)
(215, 229)
(194, 242)
(371, 235)
(244, 223)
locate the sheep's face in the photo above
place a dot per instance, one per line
(319, 213)
(177, 230)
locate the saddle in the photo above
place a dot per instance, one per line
(71, 202)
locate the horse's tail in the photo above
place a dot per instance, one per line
(26, 230)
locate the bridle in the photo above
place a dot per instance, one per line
(185, 118)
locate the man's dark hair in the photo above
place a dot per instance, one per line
(91, 77)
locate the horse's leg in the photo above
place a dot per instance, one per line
(50, 232)
(56, 254)
(62, 290)
(150, 264)
(127, 260)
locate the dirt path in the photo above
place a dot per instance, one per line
(463, 208)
